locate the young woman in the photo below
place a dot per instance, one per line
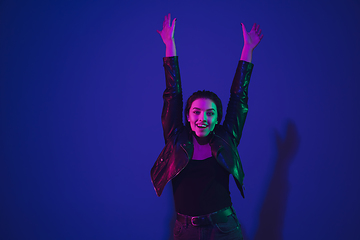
(199, 156)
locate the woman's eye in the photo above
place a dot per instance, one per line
(196, 112)
(210, 114)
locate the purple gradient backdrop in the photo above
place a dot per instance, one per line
(81, 98)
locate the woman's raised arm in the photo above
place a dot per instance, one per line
(251, 40)
(167, 35)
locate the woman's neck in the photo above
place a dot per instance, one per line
(202, 140)
(202, 149)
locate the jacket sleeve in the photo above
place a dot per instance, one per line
(238, 104)
(171, 116)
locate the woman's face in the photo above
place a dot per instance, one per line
(202, 116)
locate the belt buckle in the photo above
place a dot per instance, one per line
(192, 221)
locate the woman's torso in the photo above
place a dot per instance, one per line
(203, 186)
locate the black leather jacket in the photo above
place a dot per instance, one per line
(179, 148)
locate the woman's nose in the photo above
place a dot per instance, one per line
(203, 117)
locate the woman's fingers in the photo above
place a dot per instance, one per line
(173, 23)
(257, 28)
(259, 33)
(168, 20)
(167, 32)
(243, 29)
(253, 27)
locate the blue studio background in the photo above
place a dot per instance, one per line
(81, 86)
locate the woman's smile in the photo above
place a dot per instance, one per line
(201, 125)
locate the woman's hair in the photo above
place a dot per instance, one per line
(207, 95)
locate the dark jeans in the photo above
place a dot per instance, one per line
(230, 231)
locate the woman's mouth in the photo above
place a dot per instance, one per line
(201, 125)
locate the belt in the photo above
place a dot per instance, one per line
(203, 220)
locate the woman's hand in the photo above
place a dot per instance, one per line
(252, 38)
(167, 33)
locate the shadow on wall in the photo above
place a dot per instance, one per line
(271, 219)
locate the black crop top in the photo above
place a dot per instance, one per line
(201, 188)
